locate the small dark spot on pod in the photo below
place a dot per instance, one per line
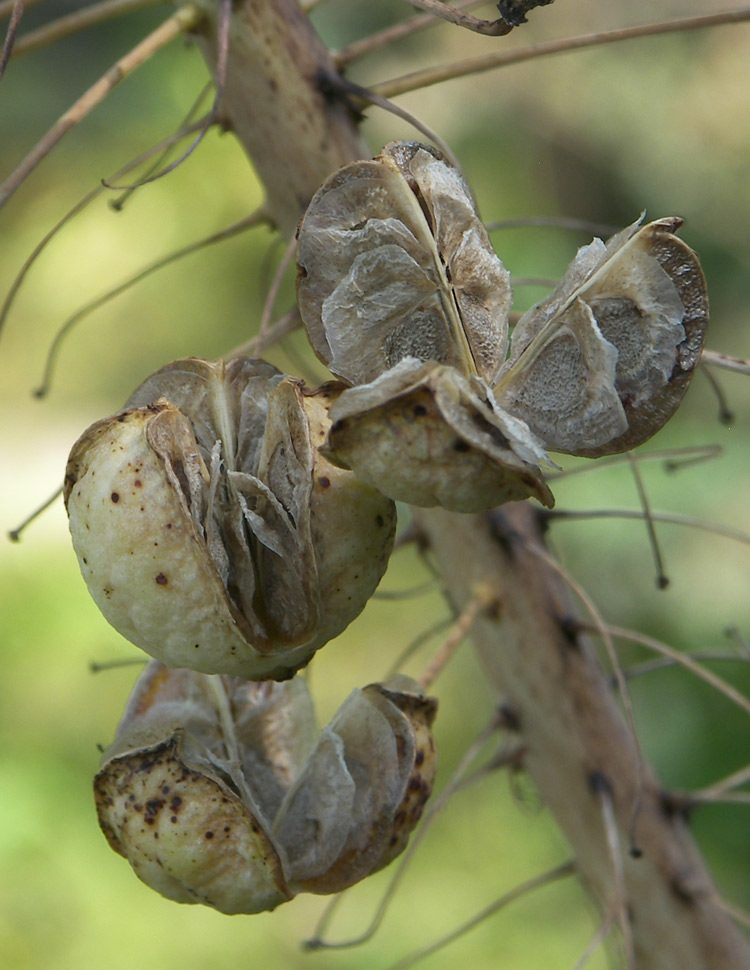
(324, 482)
(161, 579)
(115, 497)
(209, 835)
(138, 483)
(419, 410)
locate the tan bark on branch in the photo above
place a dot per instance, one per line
(576, 741)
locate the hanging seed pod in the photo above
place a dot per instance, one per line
(210, 529)
(394, 263)
(217, 792)
(427, 435)
(600, 365)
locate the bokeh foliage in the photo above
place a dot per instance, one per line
(659, 124)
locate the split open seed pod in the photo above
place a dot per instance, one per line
(221, 791)
(602, 364)
(394, 262)
(427, 435)
(210, 529)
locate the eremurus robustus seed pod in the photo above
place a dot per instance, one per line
(210, 529)
(394, 262)
(221, 791)
(397, 280)
(602, 364)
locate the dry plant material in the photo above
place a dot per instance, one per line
(403, 298)
(210, 529)
(394, 262)
(221, 791)
(602, 364)
(426, 434)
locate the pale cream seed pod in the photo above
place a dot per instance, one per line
(220, 791)
(210, 529)
(425, 434)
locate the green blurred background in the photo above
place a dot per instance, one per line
(660, 124)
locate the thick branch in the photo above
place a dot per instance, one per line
(569, 722)
(573, 734)
(276, 105)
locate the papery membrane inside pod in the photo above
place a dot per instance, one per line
(427, 435)
(394, 263)
(220, 791)
(602, 364)
(210, 529)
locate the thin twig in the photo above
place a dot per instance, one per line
(281, 328)
(222, 60)
(596, 941)
(664, 663)
(15, 534)
(544, 879)
(10, 35)
(483, 599)
(425, 78)
(571, 515)
(79, 207)
(457, 780)
(118, 204)
(369, 96)
(254, 219)
(96, 13)
(554, 222)
(612, 835)
(184, 19)
(7, 7)
(273, 291)
(674, 459)
(662, 580)
(726, 415)
(388, 36)
(712, 358)
(720, 788)
(411, 648)
(490, 28)
(683, 659)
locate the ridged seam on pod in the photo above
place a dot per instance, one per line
(217, 792)
(395, 268)
(394, 263)
(210, 529)
(427, 435)
(602, 364)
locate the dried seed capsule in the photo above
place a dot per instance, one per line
(210, 529)
(394, 263)
(424, 434)
(602, 364)
(216, 790)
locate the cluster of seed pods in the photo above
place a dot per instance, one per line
(230, 521)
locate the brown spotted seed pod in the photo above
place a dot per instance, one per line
(220, 791)
(210, 529)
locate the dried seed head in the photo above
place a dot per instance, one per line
(426, 435)
(600, 366)
(211, 531)
(394, 263)
(216, 790)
